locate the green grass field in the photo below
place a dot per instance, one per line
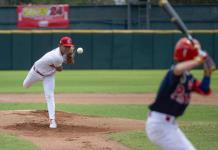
(10, 142)
(200, 123)
(102, 81)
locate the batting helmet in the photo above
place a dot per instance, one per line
(186, 50)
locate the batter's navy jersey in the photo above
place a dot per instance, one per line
(174, 94)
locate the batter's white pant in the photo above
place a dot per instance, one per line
(163, 130)
(48, 85)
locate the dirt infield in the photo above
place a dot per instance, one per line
(76, 132)
(99, 98)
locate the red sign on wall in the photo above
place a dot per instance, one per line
(43, 16)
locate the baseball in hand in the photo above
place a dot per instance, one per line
(79, 50)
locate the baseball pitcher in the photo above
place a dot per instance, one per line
(174, 96)
(44, 70)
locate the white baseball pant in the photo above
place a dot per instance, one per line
(48, 85)
(163, 130)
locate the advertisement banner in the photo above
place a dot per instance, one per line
(43, 16)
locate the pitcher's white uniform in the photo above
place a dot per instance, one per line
(41, 70)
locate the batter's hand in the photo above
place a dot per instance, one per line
(209, 65)
(202, 56)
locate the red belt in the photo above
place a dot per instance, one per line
(34, 68)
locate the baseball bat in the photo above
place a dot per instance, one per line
(175, 18)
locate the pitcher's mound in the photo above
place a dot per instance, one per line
(74, 132)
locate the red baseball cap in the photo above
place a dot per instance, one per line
(66, 41)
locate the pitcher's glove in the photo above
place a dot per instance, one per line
(69, 58)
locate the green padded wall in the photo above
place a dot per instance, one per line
(102, 51)
(122, 51)
(215, 48)
(21, 57)
(162, 51)
(142, 50)
(6, 51)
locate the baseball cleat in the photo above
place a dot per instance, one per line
(53, 124)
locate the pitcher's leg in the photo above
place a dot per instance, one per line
(49, 86)
(31, 78)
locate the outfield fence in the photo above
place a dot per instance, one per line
(103, 49)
